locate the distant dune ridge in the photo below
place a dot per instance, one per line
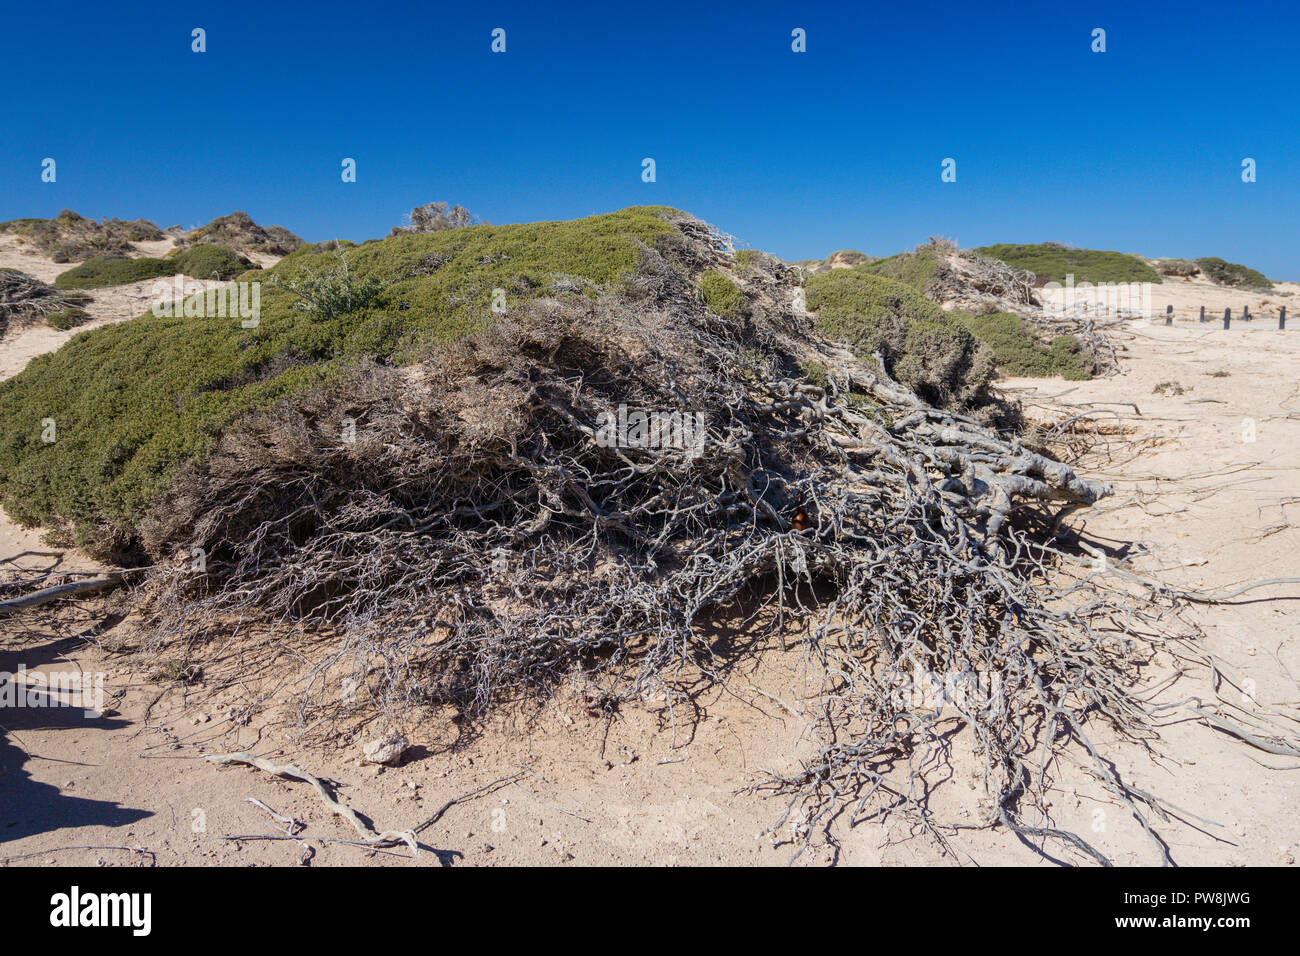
(122, 259)
(239, 233)
(70, 237)
(46, 296)
(1012, 296)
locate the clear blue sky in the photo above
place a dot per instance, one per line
(1137, 149)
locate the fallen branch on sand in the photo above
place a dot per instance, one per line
(369, 843)
(369, 835)
(24, 300)
(59, 591)
(141, 851)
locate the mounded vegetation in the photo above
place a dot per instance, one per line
(1052, 262)
(103, 271)
(915, 268)
(922, 346)
(1016, 348)
(1018, 352)
(70, 237)
(136, 399)
(210, 262)
(239, 232)
(1178, 268)
(199, 262)
(1232, 274)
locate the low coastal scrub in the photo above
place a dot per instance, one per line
(200, 262)
(1234, 275)
(1052, 262)
(916, 268)
(237, 231)
(1019, 353)
(922, 346)
(70, 237)
(136, 399)
(1178, 268)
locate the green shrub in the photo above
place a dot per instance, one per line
(201, 262)
(922, 346)
(816, 373)
(68, 318)
(722, 295)
(102, 272)
(134, 400)
(334, 292)
(1016, 352)
(1051, 262)
(1232, 274)
(915, 269)
(211, 262)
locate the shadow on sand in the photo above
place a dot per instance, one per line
(27, 806)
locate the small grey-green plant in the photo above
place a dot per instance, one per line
(334, 292)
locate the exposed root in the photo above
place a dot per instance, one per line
(369, 836)
(483, 538)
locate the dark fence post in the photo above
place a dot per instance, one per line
(1202, 313)
(1227, 318)
(1169, 315)
(1245, 314)
(1281, 318)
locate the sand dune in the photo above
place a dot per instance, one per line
(108, 305)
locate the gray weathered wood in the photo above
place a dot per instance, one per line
(71, 589)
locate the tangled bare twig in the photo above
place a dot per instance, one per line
(481, 538)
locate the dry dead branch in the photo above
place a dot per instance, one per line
(369, 836)
(481, 540)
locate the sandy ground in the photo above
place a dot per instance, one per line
(1188, 295)
(107, 305)
(1196, 504)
